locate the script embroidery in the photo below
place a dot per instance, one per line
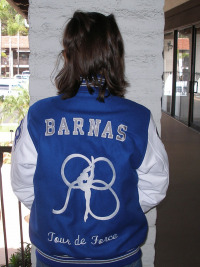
(86, 182)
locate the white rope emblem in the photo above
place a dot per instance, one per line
(86, 182)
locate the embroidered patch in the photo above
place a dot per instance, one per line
(86, 182)
(18, 133)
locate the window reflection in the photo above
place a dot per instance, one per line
(184, 44)
(196, 108)
(168, 72)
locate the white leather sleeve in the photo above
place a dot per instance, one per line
(153, 173)
(23, 164)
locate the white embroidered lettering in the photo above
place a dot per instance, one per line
(98, 241)
(122, 135)
(51, 234)
(107, 130)
(56, 239)
(50, 127)
(94, 127)
(78, 126)
(79, 241)
(63, 127)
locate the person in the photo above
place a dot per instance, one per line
(88, 162)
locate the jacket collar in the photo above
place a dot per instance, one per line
(83, 87)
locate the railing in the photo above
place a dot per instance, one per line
(7, 149)
(21, 61)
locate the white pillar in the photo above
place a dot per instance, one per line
(10, 58)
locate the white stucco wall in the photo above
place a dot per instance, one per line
(141, 24)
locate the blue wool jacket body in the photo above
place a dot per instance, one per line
(86, 208)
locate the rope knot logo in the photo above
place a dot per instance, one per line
(86, 182)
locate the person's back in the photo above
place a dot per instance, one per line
(89, 162)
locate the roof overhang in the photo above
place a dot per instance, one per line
(21, 6)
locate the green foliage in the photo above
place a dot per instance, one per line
(185, 54)
(16, 258)
(8, 128)
(15, 108)
(12, 22)
(3, 54)
(1, 99)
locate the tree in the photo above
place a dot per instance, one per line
(15, 108)
(11, 21)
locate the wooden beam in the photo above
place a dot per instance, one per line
(183, 15)
(21, 6)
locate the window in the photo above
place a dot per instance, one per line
(168, 72)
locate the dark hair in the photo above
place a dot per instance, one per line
(93, 51)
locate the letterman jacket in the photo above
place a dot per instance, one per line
(88, 171)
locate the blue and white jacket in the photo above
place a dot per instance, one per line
(88, 171)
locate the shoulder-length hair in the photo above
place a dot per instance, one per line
(93, 51)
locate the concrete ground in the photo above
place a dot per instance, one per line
(178, 221)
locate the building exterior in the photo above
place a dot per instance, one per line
(181, 92)
(15, 57)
